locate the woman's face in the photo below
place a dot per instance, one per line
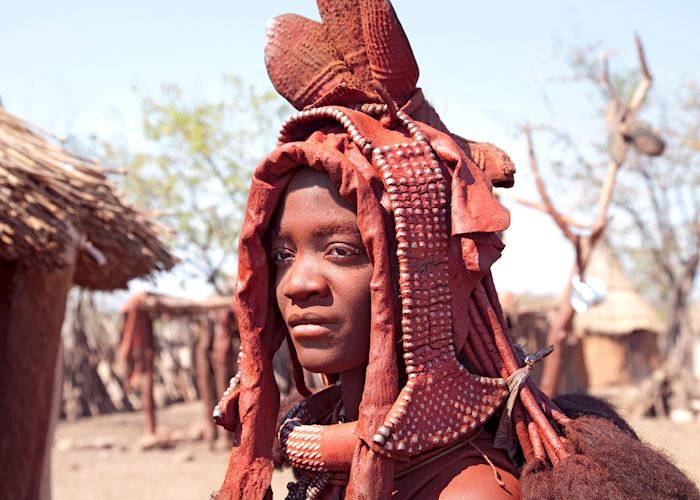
(322, 274)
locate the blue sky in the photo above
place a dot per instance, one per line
(71, 67)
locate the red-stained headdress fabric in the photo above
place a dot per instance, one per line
(261, 334)
(474, 219)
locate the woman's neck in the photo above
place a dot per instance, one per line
(352, 383)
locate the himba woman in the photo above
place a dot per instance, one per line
(367, 243)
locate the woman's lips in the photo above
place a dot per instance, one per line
(309, 330)
(308, 325)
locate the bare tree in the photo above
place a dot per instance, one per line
(625, 131)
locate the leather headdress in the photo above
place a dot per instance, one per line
(429, 223)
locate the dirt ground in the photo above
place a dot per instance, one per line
(101, 458)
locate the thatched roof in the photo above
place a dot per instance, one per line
(163, 305)
(45, 190)
(623, 310)
(529, 304)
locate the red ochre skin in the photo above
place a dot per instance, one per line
(476, 482)
(468, 479)
(322, 277)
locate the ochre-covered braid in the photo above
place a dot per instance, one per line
(487, 299)
(472, 358)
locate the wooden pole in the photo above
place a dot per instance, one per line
(29, 341)
(45, 491)
(223, 359)
(204, 377)
(149, 407)
(562, 323)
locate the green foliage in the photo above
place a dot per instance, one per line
(196, 168)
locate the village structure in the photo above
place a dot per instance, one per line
(61, 224)
(614, 344)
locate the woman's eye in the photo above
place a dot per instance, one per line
(281, 256)
(343, 251)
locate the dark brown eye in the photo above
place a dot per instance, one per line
(282, 256)
(343, 251)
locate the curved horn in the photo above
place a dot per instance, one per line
(343, 22)
(390, 56)
(302, 64)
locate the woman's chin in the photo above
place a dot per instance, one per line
(324, 363)
(321, 367)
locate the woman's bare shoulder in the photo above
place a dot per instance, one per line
(478, 482)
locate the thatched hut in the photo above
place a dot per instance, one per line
(61, 223)
(619, 336)
(615, 342)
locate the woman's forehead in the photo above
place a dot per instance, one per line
(312, 200)
(304, 176)
(309, 186)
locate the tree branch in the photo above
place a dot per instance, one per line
(604, 199)
(661, 213)
(569, 142)
(542, 208)
(695, 229)
(659, 256)
(604, 79)
(549, 207)
(642, 89)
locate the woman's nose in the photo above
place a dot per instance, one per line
(305, 280)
